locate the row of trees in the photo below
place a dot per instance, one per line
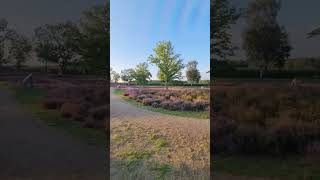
(83, 44)
(13, 46)
(170, 67)
(266, 42)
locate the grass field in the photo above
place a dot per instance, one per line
(198, 115)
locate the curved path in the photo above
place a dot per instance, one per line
(193, 129)
(32, 150)
(188, 138)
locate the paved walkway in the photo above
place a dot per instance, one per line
(31, 150)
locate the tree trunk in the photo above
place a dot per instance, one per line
(46, 66)
(166, 85)
(261, 74)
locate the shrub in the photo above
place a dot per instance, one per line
(70, 110)
(133, 95)
(155, 104)
(95, 123)
(187, 106)
(175, 105)
(165, 104)
(147, 101)
(141, 97)
(186, 97)
(53, 103)
(200, 105)
(99, 113)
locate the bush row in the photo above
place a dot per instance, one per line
(85, 105)
(184, 100)
(274, 120)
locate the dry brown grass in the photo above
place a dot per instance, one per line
(141, 152)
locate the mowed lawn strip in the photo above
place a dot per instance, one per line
(32, 100)
(292, 167)
(197, 115)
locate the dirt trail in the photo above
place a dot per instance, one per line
(32, 150)
(188, 138)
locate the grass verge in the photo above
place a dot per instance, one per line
(32, 99)
(197, 115)
(292, 168)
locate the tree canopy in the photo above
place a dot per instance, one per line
(223, 15)
(192, 73)
(128, 75)
(94, 26)
(58, 43)
(142, 74)
(265, 41)
(168, 62)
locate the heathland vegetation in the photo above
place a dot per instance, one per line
(260, 109)
(78, 48)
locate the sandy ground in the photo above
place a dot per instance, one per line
(32, 150)
(187, 140)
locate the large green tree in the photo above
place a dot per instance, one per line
(20, 48)
(265, 41)
(168, 62)
(127, 75)
(95, 42)
(142, 74)
(223, 15)
(192, 73)
(115, 76)
(58, 43)
(3, 37)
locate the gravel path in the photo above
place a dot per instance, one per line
(32, 150)
(123, 112)
(188, 137)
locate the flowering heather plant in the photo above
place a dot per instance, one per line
(172, 100)
(266, 119)
(165, 104)
(147, 101)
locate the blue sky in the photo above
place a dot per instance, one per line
(137, 25)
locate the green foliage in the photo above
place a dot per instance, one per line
(58, 43)
(224, 16)
(192, 73)
(169, 63)
(127, 75)
(142, 74)
(95, 39)
(115, 76)
(20, 48)
(265, 42)
(4, 32)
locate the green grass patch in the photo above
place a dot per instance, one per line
(192, 114)
(160, 143)
(116, 137)
(134, 154)
(133, 158)
(161, 169)
(292, 168)
(32, 99)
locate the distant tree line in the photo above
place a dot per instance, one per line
(82, 46)
(169, 64)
